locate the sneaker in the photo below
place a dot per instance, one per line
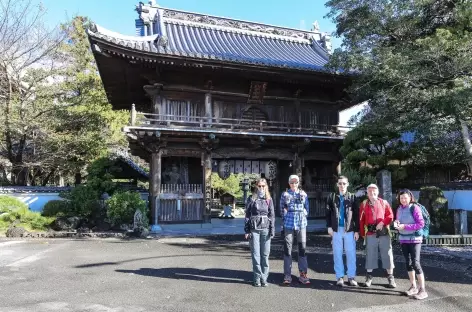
(422, 294)
(391, 282)
(351, 282)
(303, 278)
(287, 280)
(264, 284)
(368, 280)
(412, 291)
(256, 284)
(340, 282)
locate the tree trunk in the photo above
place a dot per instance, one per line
(19, 175)
(467, 145)
(78, 178)
(45, 180)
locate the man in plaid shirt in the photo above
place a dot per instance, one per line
(294, 209)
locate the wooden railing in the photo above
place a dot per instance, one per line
(181, 210)
(317, 202)
(181, 188)
(234, 125)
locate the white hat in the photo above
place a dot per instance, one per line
(372, 186)
(293, 177)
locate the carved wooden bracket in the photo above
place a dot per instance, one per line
(257, 92)
(209, 85)
(154, 89)
(153, 147)
(300, 147)
(209, 143)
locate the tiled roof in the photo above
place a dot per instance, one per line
(195, 36)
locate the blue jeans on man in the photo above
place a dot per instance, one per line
(344, 241)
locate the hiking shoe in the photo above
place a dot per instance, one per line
(422, 294)
(303, 278)
(340, 282)
(368, 280)
(391, 282)
(287, 280)
(351, 282)
(412, 291)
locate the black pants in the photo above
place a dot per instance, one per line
(412, 257)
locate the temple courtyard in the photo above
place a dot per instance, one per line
(206, 274)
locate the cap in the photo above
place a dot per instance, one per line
(372, 186)
(293, 177)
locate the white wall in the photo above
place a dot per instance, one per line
(35, 201)
(457, 199)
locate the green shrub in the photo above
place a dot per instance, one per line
(442, 219)
(122, 206)
(83, 200)
(8, 203)
(13, 210)
(55, 208)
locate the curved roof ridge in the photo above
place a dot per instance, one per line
(186, 15)
(97, 29)
(238, 30)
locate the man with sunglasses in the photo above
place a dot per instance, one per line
(342, 220)
(294, 209)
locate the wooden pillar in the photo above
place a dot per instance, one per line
(155, 188)
(206, 165)
(154, 92)
(297, 164)
(208, 108)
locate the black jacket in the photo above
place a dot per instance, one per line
(260, 215)
(351, 212)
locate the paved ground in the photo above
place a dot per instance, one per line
(202, 274)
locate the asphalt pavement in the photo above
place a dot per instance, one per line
(204, 274)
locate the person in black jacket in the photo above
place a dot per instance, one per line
(260, 229)
(342, 220)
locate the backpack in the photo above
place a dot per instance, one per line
(427, 220)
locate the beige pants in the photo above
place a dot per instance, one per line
(373, 246)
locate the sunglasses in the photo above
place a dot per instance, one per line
(261, 186)
(342, 183)
(293, 182)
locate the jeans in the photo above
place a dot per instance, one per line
(344, 241)
(260, 250)
(288, 242)
(411, 252)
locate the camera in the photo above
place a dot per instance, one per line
(372, 228)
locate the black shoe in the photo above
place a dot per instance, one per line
(256, 284)
(368, 280)
(264, 284)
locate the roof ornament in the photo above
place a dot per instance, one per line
(316, 26)
(162, 41)
(147, 12)
(326, 42)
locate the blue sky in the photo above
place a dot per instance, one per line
(119, 15)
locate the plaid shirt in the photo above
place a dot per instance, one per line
(297, 208)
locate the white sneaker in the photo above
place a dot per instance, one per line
(340, 282)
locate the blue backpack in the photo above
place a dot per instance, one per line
(427, 220)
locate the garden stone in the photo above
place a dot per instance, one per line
(14, 231)
(74, 222)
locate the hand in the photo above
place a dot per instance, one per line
(272, 236)
(380, 226)
(285, 211)
(356, 236)
(401, 227)
(330, 231)
(247, 235)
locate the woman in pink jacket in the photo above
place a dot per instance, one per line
(409, 223)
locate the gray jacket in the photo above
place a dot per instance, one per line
(260, 215)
